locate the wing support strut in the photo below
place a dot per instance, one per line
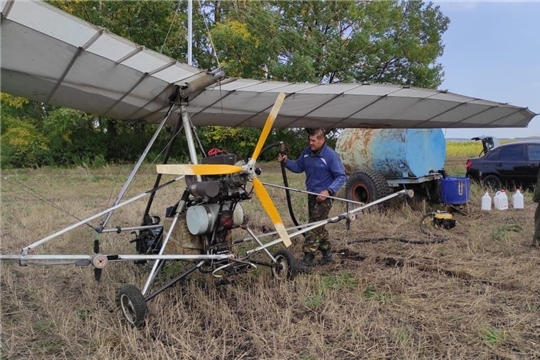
(136, 168)
(182, 95)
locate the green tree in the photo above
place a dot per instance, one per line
(317, 41)
(338, 41)
(391, 41)
(143, 22)
(20, 107)
(22, 144)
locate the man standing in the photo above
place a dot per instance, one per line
(536, 199)
(325, 175)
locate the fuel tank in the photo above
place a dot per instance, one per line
(396, 153)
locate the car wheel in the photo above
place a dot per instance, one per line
(492, 181)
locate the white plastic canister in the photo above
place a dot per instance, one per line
(486, 202)
(517, 200)
(501, 200)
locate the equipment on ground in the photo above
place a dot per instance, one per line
(437, 219)
(91, 70)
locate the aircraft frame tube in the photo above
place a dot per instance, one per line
(138, 165)
(189, 135)
(158, 263)
(332, 219)
(84, 221)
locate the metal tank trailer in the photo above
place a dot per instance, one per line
(379, 162)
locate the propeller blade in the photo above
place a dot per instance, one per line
(96, 246)
(197, 169)
(271, 210)
(268, 125)
(97, 274)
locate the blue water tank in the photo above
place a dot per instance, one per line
(396, 153)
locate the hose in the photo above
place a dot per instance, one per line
(285, 180)
(421, 223)
(409, 241)
(288, 194)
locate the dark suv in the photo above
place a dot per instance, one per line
(510, 165)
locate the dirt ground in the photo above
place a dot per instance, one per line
(392, 292)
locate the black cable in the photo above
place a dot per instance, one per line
(421, 224)
(288, 195)
(44, 199)
(408, 241)
(285, 182)
(166, 156)
(268, 147)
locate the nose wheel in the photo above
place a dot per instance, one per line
(132, 304)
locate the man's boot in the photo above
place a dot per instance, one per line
(326, 257)
(306, 264)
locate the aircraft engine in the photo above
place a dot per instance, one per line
(203, 219)
(219, 187)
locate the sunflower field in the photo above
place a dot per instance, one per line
(462, 150)
(459, 150)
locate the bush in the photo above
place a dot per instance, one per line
(22, 144)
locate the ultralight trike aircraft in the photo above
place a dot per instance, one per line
(54, 57)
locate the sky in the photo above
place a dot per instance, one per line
(492, 52)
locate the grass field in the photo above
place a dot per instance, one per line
(475, 295)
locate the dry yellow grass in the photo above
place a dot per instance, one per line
(476, 295)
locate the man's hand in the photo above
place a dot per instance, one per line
(322, 195)
(281, 157)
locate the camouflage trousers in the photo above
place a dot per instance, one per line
(317, 239)
(536, 236)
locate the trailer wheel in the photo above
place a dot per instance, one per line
(366, 186)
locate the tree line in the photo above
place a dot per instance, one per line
(397, 42)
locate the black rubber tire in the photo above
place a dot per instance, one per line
(132, 305)
(285, 265)
(492, 182)
(366, 186)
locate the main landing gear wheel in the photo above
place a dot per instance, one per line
(132, 304)
(285, 266)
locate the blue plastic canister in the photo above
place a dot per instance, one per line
(455, 190)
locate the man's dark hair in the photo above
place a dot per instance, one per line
(319, 132)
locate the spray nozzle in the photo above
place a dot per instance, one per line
(282, 149)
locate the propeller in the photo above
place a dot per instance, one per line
(97, 271)
(271, 210)
(197, 169)
(99, 261)
(249, 168)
